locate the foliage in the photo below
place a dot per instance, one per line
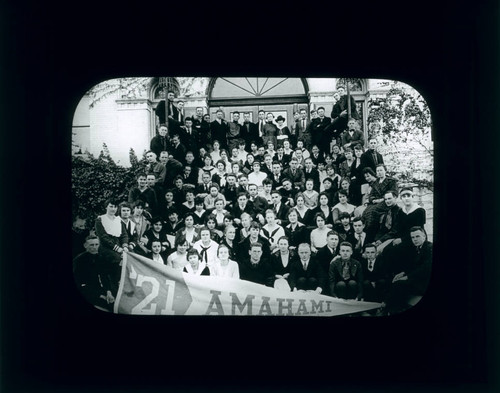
(94, 180)
(401, 122)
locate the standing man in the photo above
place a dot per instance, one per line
(303, 128)
(160, 142)
(294, 128)
(180, 113)
(190, 136)
(321, 134)
(171, 114)
(260, 126)
(339, 112)
(371, 158)
(219, 129)
(250, 132)
(234, 132)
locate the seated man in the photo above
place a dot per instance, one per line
(305, 272)
(253, 237)
(357, 238)
(91, 275)
(256, 268)
(78, 235)
(295, 174)
(375, 274)
(346, 275)
(279, 208)
(414, 273)
(326, 254)
(259, 203)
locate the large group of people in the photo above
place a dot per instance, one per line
(303, 207)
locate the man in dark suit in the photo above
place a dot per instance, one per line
(160, 142)
(172, 168)
(259, 203)
(339, 112)
(253, 237)
(376, 274)
(294, 174)
(303, 129)
(250, 132)
(193, 175)
(346, 275)
(180, 113)
(261, 123)
(204, 133)
(371, 158)
(321, 134)
(171, 114)
(276, 175)
(326, 254)
(241, 206)
(305, 271)
(279, 208)
(357, 238)
(219, 129)
(91, 274)
(255, 266)
(189, 136)
(234, 133)
(178, 150)
(352, 136)
(311, 173)
(414, 272)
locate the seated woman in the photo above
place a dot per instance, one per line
(342, 207)
(215, 154)
(219, 213)
(244, 232)
(295, 231)
(270, 149)
(280, 263)
(211, 223)
(208, 167)
(323, 208)
(213, 196)
(310, 196)
(219, 176)
(178, 191)
(248, 165)
(319, 235)
(178, 259)
(156, 232)
(345, 166)
(200, 213)
(356, 176)
(334, 176)
(272, 231)
(224, 157)
(229, 240)
(194, 265)
(113, 239)
(189, 231)
(302, 210)
(345, 185)
(223, 266)
(381, 185)
(236, 169)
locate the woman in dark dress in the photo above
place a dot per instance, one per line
(356, 176)
(280, 262)
(323, 207)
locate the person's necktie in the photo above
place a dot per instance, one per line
(370, 265)
(345, 271)
(375, 158)
(303, 124)
(388, 220)
(305, 266)
(204, 254)
(128, 227)
(358, 244)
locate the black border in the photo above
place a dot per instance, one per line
(51, 340)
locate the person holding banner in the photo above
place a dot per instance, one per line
(178, 259)
(113, 238)
(195, 266)
(223, 266)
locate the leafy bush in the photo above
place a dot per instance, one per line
(94, 180)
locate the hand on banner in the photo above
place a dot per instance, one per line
(109, 297)
(395, 242)
(400, 276)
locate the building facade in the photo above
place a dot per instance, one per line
(124, 118)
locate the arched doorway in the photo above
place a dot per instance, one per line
(282, 96)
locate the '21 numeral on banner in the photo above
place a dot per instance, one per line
(146, 306)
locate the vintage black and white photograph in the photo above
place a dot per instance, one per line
(252, 196)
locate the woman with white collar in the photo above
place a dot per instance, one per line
(195, 266)
(411, 215)
(113, 238)
(224, 267)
